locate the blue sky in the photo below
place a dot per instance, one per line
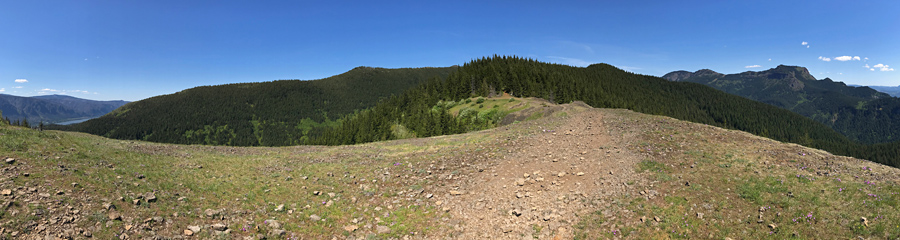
(131, 50)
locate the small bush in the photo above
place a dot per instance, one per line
(480, 100)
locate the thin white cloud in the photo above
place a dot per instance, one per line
(846, 58)
(770, 59)
(583, 46)
(2, 89)
(867, 66)
(571, 61)
(752, 66)
(21, 80)
(17, 87)
(627, 68)
(825, 59)
(882, 67)
(804, 43)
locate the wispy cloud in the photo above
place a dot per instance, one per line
(752, 66)
(882, 67)
(805, 44)
(21, 80)
(570, 61)
(627, 68)
(847, 58)
(770, 59)
(582, 46)
(56, 91)
(2, 89)
(825, 59)
(17, 87)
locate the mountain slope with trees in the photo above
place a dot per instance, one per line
(599, 85)
(53, 108)
(860, 113)
(276, 113)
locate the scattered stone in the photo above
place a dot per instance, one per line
(317, 193)
(426, 195)
(643, 219)
(277, 232)
(188, 232)
(382, 229)
(561, 174)
(60, 192)
(212, 213)
(700, 215)
(274, 224)
(772, 226)
(687, 184)
(74, 185)
(150, 196)
(218, 227)
(279, 208)
(331, 194)
(657, 219)
(446, 209)
(136, 201)
(350, 228)
(114, 215)
(610, 172)
(438, 203)
(864, 221)
(194, 229)
(520, 182)
(109, 206)
(6, 192)
(454, 192)
(579, 174)
(10, 160)
(87, 234)
(314, 217)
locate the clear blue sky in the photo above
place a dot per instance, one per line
(131, 50)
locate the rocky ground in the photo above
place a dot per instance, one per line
(575, 172)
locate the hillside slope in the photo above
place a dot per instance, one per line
(422, 109)
(53, 108)
(561, 172)
(277, 113)
(860, 113)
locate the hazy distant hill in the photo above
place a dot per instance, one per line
(276, 113)
(860, 113)
(53, 108)
(893, 91)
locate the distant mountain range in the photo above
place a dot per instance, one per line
(893, 91)
(860, 113)
(53, 108)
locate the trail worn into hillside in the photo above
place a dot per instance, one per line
(551, 172)
(546, 181)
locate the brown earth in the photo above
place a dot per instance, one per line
(534, 179)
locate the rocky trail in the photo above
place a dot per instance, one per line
(545, 183)
(573, 172)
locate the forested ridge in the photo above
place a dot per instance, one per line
(599, 85)
(277, 113)
(860, 113)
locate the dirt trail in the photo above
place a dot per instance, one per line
(545, 181)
